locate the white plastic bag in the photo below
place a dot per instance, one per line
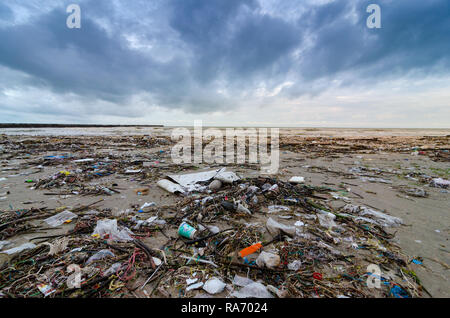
(214, 286)
(268, 260)
(19, 249)
(110, 228)
(274, 227)
(295, 265)
(60, 218)
(241, 281)
(100, 255)
(253, 290)
(326, 220)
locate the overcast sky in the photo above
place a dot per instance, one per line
(226, 62)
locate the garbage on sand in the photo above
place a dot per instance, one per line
(226, 236)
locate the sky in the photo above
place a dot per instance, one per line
(286, 63)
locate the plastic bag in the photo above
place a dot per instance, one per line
(253, 290)
(440, 183)
(60, 218)
(19, 249)
(274, 227)
(326, 220)
(100, 255)
(295, 265)
(226, 177)
(58, 246)
(214, 286)
(241, 281)
(380, 218)
(109, 228)
(113, 269)
(268, 260)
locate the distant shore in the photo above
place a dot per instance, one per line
(70, 126)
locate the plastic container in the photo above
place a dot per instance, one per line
(186, 231)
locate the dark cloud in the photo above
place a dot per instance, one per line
(412, 37)
(6, 14)
(204, 55)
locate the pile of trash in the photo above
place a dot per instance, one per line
(226, 237)
(220, 235)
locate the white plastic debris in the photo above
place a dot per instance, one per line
(198, 260)
(113, 269)
(84, 160)
(241, 281)
(58, 246)
(226, 177)
(297, 180)
(110, 228)
(215, 185)
(214, 286)
(268, 260)
(278, 208)
(276, 291)
(148, 204)
(194, 286)
(154, 220)
(253, 290)
(274, 227)
(18, 249)
(440, 183)
(131, 171)
(170, 186)
(295, 265)
(191, 281)
(380, 218)
(373, 180)
(326, 220)
(213, 229)
(243, 209)
(190, 182)
(60, 218)
(100, 255)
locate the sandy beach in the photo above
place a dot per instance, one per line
(390, 170)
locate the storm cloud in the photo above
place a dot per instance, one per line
(204, 57)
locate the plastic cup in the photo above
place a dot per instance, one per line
(186, 230)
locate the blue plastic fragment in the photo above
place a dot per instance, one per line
(398, 292)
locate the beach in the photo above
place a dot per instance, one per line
(389, 170)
